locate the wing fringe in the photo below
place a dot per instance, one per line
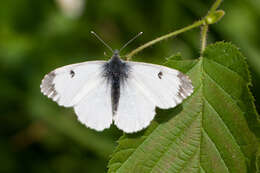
(186, 88)
(47, 86)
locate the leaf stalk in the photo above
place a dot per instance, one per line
(204, 30)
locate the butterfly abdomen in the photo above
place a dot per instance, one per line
(116, 73)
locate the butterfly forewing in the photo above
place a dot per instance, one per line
(67, 85)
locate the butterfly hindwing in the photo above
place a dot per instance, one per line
(95, 110)
(135, 110)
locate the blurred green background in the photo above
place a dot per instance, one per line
(38, 36)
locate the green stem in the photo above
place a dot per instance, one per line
(194, 25)
(204, 31)
(215, 6)
(205, 27)
(212, 17)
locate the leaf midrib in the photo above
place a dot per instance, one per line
(203, 75)
(203, 72)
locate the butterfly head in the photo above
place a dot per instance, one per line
(116, 55)
(116, 52)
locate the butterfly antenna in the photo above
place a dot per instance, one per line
(99, 38)
(140, 33)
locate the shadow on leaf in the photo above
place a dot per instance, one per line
(162, 116)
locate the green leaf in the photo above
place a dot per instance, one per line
(210, 132)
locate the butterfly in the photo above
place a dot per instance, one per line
(125, 93)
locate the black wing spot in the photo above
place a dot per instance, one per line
(160, 74)
(72, 73)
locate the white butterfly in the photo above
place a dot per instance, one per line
(123, 92)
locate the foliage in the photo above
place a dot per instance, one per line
(209, 131)
(36, 37)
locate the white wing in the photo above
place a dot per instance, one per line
(135, 111)
(146, 87)
(95, 110)
(68, 84)
(83, 87)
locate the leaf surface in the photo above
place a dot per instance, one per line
(213, 131)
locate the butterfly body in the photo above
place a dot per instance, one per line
(123, 92)
(115, 73)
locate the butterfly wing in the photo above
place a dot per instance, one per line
(81, 86)
(149, 86)
(68, 84)
(95, 110)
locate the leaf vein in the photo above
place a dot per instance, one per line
(190, 159)
(172, 142)
(228, 130)
(230, 70)
(201, 168)
(214, 144)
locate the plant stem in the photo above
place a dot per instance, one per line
(204, 31)
(205, 27)
(194, 25)
(215, 6)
